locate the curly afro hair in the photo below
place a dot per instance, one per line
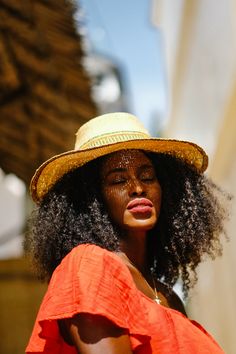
(188, 229)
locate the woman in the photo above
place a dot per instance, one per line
(120, 219)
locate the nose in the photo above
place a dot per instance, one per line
(136, 188)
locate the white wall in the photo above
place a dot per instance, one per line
(202, 88)
(12, 216)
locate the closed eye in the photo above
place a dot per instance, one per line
(114, 179)
(118, 181)
(148, 179)
(147, 174)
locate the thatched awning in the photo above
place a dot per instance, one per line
(44, 90)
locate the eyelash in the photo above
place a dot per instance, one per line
(147, 179)
(119, 181)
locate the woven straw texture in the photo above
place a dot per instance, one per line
(44, 90)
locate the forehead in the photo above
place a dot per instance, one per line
(125, 159)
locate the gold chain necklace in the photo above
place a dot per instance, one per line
(154, 289)
(157, 299)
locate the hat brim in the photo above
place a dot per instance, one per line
(57, 166)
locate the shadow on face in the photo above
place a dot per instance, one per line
(130, 189)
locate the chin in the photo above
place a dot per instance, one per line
(140, 226)
(139, 222)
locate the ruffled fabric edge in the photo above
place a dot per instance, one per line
(91, 280)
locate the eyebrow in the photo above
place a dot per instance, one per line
(114, 170)
(147, 166)
(122, 169)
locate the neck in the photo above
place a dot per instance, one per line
(134, 246)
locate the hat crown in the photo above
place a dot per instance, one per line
(109, 128)
(107, 134)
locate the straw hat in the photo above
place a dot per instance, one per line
(106, 134)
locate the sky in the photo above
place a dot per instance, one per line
(123, 30)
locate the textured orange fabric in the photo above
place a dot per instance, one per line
(93, 280)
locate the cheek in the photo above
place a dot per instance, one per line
(114, 200)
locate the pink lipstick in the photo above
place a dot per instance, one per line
(140, 205)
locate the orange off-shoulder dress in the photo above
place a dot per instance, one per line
(93, 280)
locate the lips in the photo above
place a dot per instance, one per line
(140, 205)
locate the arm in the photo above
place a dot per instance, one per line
(93, 334)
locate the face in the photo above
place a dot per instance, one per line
(130, 189)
